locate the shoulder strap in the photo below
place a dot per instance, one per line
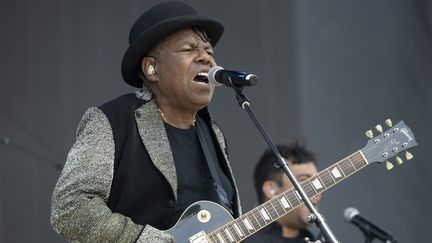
(212, 161)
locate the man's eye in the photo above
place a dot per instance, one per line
(210, 53)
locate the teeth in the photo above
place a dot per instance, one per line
(203, 74)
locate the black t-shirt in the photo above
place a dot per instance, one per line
(273, 234)
(194, 179)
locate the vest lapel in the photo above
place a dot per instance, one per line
(155, 139)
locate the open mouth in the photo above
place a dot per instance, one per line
(202, 77)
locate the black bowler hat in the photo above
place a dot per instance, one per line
(155, 24)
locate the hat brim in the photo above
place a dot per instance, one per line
(137, 50)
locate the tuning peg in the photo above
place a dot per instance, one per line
(408, 155)
(369, 134)
(399, 161)
(379, 128)
(389, 123)
(389, 165)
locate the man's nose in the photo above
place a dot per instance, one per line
(205, 58)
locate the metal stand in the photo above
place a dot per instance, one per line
(244, 103)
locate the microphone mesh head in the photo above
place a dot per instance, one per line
(212, 73)
(349, 213)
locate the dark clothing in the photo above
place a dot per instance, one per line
(273, 234)
(195, 181)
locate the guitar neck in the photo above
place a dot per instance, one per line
(268, 212)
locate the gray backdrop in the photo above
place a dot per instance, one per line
(329, 71)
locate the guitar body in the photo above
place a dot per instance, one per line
(201, 216)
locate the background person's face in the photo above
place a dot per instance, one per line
(297, 218)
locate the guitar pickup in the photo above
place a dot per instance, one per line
(199, 237)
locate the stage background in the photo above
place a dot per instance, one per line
(329, 71)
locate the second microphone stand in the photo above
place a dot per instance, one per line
(315, 217)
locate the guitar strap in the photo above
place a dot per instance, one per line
(212, 161)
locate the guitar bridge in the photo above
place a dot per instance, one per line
(199, 237)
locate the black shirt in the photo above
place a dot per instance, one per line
(194, 179)
(273, 234)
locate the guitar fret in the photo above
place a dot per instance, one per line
(215, 238)
(291, 196)
(233, 231)
(314, 186)
(359, 161)
(351, 163)
(259, 217)
(299, 198)
(332, 176)
(248, 224)
(285, 203)
(271, 209)
(211, 237)
(225, 234)
(264, 214)
(240, 225)
(308, 188)
(238, 230)
(340, 169)
(326, 178)
(257, 225)
(220, 237)
(276, 208)
(347, 167)
(317, 183)
(230, 236)
(281, 207)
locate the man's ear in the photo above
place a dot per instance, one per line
(149, 69)
(270, 189)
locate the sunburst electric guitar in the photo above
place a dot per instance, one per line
(205, 222)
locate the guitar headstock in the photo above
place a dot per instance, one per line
(388, 144)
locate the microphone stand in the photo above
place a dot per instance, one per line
(315, 217)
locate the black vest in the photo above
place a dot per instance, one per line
(139, 190)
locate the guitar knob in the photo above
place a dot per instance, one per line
(389, 165)
(369, 134)
(408, 155)
(389, 123)
(379, 128)
(399, 161)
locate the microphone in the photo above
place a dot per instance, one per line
(371, 231)
(234, 79)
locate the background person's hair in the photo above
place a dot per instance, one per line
(295, 152)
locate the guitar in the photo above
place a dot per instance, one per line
(205, 222)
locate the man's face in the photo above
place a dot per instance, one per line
(297, 218)
(182, 61)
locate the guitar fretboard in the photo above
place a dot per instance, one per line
(261, 216)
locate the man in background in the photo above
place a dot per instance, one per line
(271, 181)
